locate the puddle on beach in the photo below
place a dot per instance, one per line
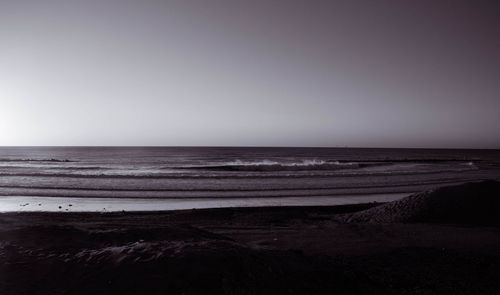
(61, 204)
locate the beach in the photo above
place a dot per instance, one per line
(212, 220)
(399, 247)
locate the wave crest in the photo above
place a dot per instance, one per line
(270, 165)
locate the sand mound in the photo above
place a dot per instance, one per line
(471, 203)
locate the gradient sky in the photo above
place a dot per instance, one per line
(253, 73)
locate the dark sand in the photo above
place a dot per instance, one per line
(442, 242)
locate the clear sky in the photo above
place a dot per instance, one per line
(255, 73)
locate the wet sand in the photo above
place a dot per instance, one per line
(269, 250)
(77, 204)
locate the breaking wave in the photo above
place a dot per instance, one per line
(269, 165)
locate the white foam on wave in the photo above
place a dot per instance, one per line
(306, 162)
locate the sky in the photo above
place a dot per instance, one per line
(250, 73)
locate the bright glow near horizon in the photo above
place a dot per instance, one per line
(251, 73)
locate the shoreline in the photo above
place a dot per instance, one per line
(331, 209)
(75, 204)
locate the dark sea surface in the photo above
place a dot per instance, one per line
(221, 176)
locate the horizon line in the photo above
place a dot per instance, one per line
(256, 146)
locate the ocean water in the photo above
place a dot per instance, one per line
(148, 178)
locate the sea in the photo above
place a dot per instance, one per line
(69, 179)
